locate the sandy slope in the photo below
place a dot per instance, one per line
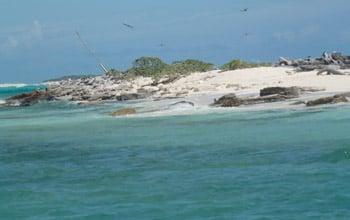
(252, 80)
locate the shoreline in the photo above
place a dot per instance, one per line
(202, 89)
(302, 82)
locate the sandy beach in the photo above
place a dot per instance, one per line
(254, 79)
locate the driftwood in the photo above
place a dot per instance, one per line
(328, 62)
(330, 71)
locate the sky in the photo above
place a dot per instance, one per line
(38, 41)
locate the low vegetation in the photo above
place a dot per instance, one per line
(190, 66)
(72, 77)
(156, 68)
(240, 64)
(147, 66)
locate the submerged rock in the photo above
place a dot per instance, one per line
(27, 99)
(286, 91)
(182, 103)
(124, 111)
(327, 100)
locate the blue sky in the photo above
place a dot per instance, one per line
(37, 38)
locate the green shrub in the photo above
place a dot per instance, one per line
(155, 67)
(190, 66)
(147, 66)
(240, 64)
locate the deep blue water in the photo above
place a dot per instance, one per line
(63, 161)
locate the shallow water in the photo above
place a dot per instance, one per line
(62, 161)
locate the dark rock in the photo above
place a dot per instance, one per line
(124, 111)
(230, 100)
(130, 96)
(168, 80)
(85, 97)
(106, 97)
(327, 100)
(286, 91)
(182, 103)
(265, 99)
(27, 99)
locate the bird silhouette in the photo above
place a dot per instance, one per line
(244, 10)
(246, 35)
(128, 26)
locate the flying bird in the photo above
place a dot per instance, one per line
(161, 45)
(128, 26)
(247, 34)
(244, 10)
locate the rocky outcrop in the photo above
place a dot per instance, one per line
(101, 88)
(124, 111)
(327, 100)
(231, 100)
(285, 91)
(27, 99)
(267, 95)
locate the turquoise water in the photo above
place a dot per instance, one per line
(62, 161)
(13, 90)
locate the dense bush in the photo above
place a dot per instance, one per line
(147, 66)
(155, 67)
(240, 64)
(190, 66)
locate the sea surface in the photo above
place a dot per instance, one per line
(65, 161)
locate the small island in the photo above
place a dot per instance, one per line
(307, 82)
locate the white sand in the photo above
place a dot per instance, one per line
(252, 80)
(203, 88)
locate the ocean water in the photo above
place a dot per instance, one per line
(7, 90)
(64, 161)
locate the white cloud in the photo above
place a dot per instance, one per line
(10, 43)
(294, 35)
(22, 37)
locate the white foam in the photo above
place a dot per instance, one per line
(17, 85)
(2, 102)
